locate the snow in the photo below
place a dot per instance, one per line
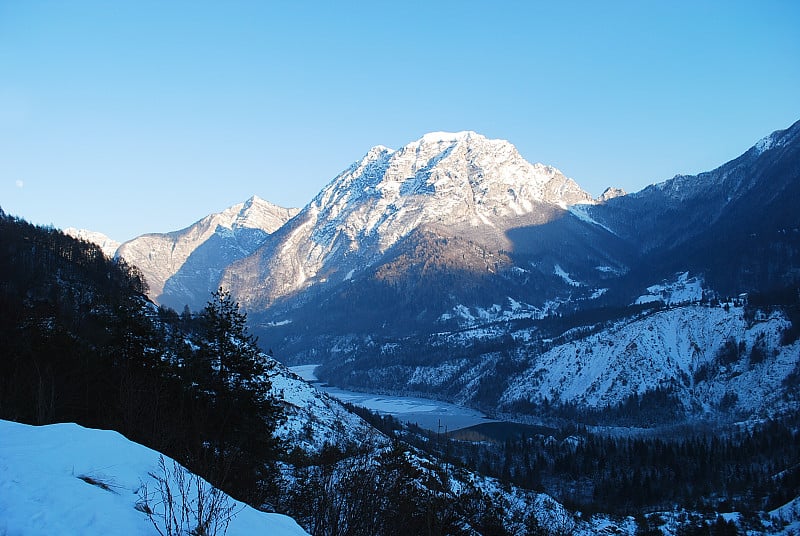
(789, 514)
(450, 180)
(435, 137)
(161, 256)
(278, 323)
(476, 319)
(108, 245)
(597, 293)
(44, 490)
(425, 412)
(662, 349)
(682, 290)
(559, 271)
(765, 144)
(581, 211)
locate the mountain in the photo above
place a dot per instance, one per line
(452, 184)
(402, 237)
(108, 245)
(460, 289)
(81, 342)
(183, 267)
(736, 224)
(67, 479)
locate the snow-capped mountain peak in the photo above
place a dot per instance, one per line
(447, 177)
(256, 213)
(610, 193)
(462, 182)
(451, 137)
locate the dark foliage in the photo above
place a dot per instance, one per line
(81, 343)
(742, 471)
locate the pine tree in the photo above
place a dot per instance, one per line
(232, 371)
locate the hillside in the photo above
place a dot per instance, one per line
(66, 479)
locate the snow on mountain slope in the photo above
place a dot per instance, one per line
(239, 229)
(108, 245)
(66, 479)
(313, 418)
(457, 181)
(683, 290)
(701, 353)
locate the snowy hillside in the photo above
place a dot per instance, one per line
(713, 358)
(66, 479)
(313, 418)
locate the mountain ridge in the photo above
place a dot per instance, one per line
(166, 258)
(461, 181)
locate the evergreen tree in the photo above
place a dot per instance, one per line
(232, 371)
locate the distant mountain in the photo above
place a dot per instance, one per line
(737, 224)
(108, 245)
(401, 238)
(183, 267)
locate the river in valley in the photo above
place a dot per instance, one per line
(430, 414)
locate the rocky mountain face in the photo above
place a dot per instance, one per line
(450, 185)
(183, 267)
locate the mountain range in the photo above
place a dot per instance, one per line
(453, 261)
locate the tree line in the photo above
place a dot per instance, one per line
(81, 343)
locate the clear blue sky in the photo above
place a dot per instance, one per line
(143, 116)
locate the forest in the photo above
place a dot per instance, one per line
(753, 469)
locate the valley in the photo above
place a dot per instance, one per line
(434, 415)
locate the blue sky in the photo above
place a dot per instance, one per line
(142, 116)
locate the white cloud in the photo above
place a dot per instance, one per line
(20, 184)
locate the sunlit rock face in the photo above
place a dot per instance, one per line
(455, 184)
(183, 267)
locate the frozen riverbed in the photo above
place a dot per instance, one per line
(425, 412)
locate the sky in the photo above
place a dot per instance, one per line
(134, 117)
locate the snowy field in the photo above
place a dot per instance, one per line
(426, 413)
(66, 479)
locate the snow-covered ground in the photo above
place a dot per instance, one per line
(682, 290)
(425, 412)
(679, 348)
(66, 479)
